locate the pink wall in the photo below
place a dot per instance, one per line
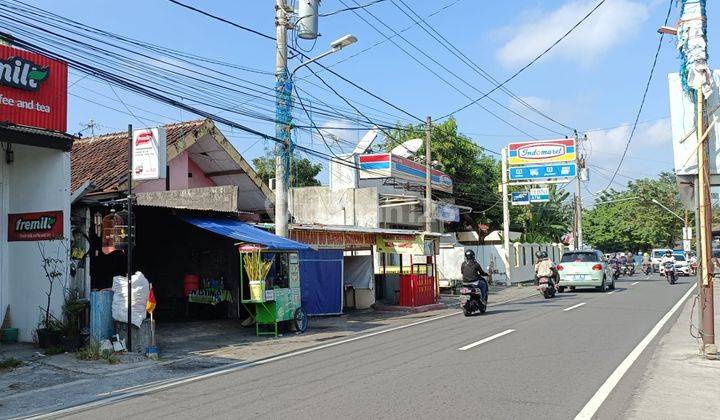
(179, 179)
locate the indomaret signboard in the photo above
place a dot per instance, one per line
(33, 90)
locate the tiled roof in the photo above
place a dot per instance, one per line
(103, 159)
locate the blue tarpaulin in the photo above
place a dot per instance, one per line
(243, 232)
(321, 281)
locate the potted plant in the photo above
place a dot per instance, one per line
(71, 339)
(50, 328)
(257, 269)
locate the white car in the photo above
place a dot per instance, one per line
(681, 266)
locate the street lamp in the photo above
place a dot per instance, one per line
(335, 46)
(672, 212)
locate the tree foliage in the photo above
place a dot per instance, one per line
(547, 222)
(475, 174)
(303, 171)
(629, 221)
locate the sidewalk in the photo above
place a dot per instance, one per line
(53, 382)
(679, 382)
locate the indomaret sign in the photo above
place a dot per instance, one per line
(33, 90)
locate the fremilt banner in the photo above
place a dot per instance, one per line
(39, 226)
(149, 153)
(33, 90)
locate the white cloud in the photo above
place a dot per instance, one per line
(612, 23)
(649, 153)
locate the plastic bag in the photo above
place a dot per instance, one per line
(140, 292)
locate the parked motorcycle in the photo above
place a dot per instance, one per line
(547, 287)
(471, 298)
(670, 272)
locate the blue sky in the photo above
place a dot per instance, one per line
(592, 80)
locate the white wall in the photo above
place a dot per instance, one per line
(38, 180)
(521, 268)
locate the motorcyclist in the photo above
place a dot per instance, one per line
(623, 259)
(545, 267)
(472, 272)
(646, 260)
(668, 257)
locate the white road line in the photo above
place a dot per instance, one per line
(573, 307)
(231, 367)
(635, 283)
(601, 395)
(485, 340)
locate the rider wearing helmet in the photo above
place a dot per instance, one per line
(472, 272)
(544, 266)
(668, 257)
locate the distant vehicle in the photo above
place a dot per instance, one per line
(655, 256)
(584, 269)
(682, 267)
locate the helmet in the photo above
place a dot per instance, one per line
(543, 254)
(469, 255)
(645, 254)
(668, 253)
(539, 255)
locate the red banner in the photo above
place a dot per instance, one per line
(33, 90)
(40, 226)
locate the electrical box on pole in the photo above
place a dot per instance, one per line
(307, 21)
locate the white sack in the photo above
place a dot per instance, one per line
(140, 292)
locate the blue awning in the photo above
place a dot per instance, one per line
(243, 232)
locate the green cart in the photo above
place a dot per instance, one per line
(277, 298)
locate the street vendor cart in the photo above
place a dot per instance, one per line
(275, 295)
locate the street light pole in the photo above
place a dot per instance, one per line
(428, 176)
(283, 113)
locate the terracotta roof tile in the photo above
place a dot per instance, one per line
(103, 159)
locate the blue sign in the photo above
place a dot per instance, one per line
(533, 172)
(520, 198)
(539, 195)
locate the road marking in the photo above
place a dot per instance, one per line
(485, 340)
(573, 307)
(635, 283)
(601, 395)
(231, 367)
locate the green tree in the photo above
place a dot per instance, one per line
(303, 171)
(475, 174)
(629, 220)
(547, 222)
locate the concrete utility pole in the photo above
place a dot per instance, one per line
(579, 161)
(428, 176)
(506, 216)
(282, 115)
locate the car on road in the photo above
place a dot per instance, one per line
(585, 269)
(681, 266)
(655, 257)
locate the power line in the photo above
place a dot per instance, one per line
(347, 9)
(449, 46)
(644, 96)
(210, 15)
(533, 61)
(422, 64)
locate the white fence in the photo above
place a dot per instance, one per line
(522, 261)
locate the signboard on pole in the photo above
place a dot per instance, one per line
(520, 198)
(149, 153)
(545, 151)
(539, 195)
(33, 90)
(539, 172)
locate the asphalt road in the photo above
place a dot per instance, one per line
(551, 358)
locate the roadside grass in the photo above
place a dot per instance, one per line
(92, 352)
(9, 364)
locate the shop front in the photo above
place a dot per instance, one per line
(34, 189)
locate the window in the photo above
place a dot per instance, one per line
(580, 257)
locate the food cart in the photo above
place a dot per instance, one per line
(275, 295)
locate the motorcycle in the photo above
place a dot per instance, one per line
(471, 298)
(670, 273)
(547, 287)
(629, 269)
(616, 271)
(647, 268)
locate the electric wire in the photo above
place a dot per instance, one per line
(525, 67)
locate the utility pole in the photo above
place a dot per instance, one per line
(706, 265)
(506, 216)
(580, 163)
(130, 238)
(283, 111)
(428, 176)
